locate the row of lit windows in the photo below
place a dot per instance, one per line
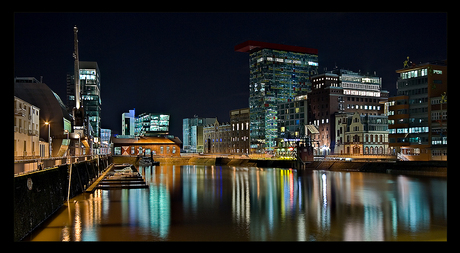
(238, 126)
(311, 63)
(360, 86)
(437, 141)
(414, 73)
(411, 130)
(361, 93)
(363, 107)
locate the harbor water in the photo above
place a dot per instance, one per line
(224, 203)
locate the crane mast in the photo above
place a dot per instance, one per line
(76, 68)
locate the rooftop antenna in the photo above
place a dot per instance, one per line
(76, 67)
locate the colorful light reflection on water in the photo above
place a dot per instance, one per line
(206, 203)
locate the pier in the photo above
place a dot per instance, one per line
(119, 176)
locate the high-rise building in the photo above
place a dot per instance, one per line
(278, 73)
(192, 133)
(90, 93)
(128, 120)
(418, 114)
(90, 83)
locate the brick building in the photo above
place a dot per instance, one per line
(140, 145)
(341, 91)
(239, 119)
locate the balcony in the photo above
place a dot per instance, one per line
(19, 112)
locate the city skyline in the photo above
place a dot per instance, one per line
(184, 64)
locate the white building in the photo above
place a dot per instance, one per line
(127, 122)
(361, 134)
(26, 130)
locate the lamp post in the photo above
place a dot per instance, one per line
(49, 138)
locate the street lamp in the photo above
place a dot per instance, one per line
(49, 137)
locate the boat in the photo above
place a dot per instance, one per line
(148, 161)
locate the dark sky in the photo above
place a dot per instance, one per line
(184, 63)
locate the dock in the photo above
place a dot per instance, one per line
(119, 176)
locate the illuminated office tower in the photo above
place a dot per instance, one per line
(90, 83)
(152, 124)
(277, 73)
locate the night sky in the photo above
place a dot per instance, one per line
(184, 64)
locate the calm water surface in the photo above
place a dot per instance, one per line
(206, 203)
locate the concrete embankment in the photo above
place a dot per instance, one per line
(39, 194)
(432, 168)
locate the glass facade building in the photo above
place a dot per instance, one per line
(151, 123)
(90, 81)
(278, 73)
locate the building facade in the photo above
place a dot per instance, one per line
(26, 130)
(239, 119)
(292, 120)
(106, 142)
(53, 117)
(90, 93)
(292, 117)
(361, 134)
(418, 114)
(277, 74)
(147, 124)
(341, 91)
(192, 134)
(146, 146)
(128, 120)
(90, 82)
(217, 138)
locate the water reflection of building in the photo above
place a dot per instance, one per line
(262, 204)
(241, 206)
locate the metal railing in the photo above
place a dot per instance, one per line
(32, 165)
